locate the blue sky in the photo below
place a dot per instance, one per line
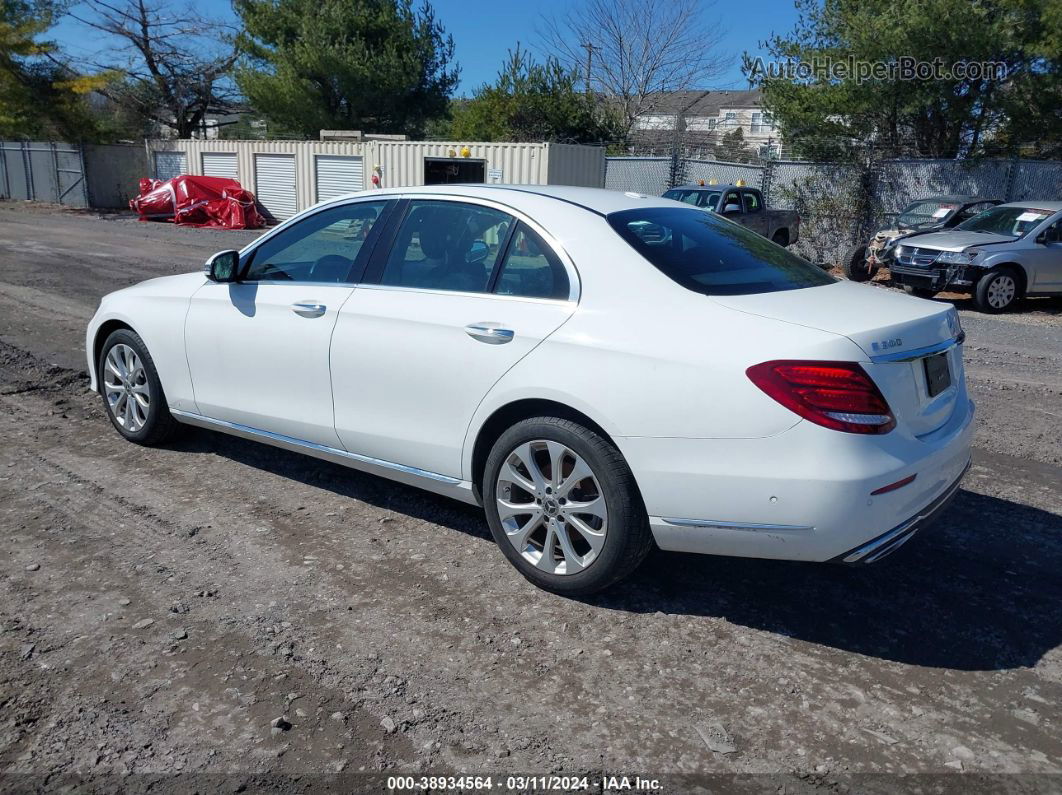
(484, 30)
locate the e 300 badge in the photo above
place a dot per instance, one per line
(886, 345)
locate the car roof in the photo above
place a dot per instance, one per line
(1035, 204)
(596, 200)
(727, 186)
(956, 197)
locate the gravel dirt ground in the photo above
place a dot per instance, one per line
(160, 609)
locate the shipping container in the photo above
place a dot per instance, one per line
(289, 176)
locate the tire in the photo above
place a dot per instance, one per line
(919, 292)
(997, 290)
(781, 238)
(148, 425)
(855, 265)
(626, 538)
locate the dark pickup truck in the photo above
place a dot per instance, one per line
(743, 205)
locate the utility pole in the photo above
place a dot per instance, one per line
(589, 46)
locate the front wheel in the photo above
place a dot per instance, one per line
(131, 391)
(855, 265)
(563, 506)
(997, 290)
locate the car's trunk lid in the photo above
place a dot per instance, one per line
(895, 332)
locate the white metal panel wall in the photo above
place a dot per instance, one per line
(338, 174)
(169, 164)
(220, 164)
(519, 163)
(275, 184)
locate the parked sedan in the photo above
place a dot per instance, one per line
(998, 256)
(600, 371)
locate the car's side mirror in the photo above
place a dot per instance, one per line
(223, 266)
(478, 253)
(732, 209)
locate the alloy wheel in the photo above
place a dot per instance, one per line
(1001, 291)
(126, 388)
(551, 507)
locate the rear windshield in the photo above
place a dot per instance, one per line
(698, 198)
(710, 255)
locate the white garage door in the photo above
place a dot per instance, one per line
(220, 164)
(275, 184)
(338, 174)
(170, 164)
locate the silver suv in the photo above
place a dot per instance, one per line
(998, 256)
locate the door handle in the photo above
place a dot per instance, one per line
(308, 309)
(489, 333)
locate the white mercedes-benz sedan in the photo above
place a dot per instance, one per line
(599, 370)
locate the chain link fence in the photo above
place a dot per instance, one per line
(842, 204)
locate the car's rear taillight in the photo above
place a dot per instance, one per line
(837, 395)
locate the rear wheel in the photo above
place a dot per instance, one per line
(781, 237)
(563, 506)
(919, 292)
(997, 290)
(131, 391)
(855, 265)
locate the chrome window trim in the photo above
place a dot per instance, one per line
(574, 278)
(918, 353)
(465, 294)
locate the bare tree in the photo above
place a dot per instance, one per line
(168, 64)
(632, 50)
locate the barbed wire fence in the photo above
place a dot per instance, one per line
(841, 204)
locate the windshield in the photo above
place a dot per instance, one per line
(1009, 221)
(713, 256)
(926, 212)
(698, 198)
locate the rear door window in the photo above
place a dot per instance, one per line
(531, 268)
(708, 255)
(444, 245)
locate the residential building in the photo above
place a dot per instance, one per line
(702, 118)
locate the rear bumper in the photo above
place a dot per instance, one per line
(887, 543)
(805, 494)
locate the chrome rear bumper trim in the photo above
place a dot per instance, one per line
(887, 543)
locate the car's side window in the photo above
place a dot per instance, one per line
(320, 248)
(443, 245)
(752, 202)
(1053, 233)
(531, 268)
(731, 198)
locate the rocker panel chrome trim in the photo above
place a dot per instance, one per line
(430, 481)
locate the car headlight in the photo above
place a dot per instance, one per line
(956, 257)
